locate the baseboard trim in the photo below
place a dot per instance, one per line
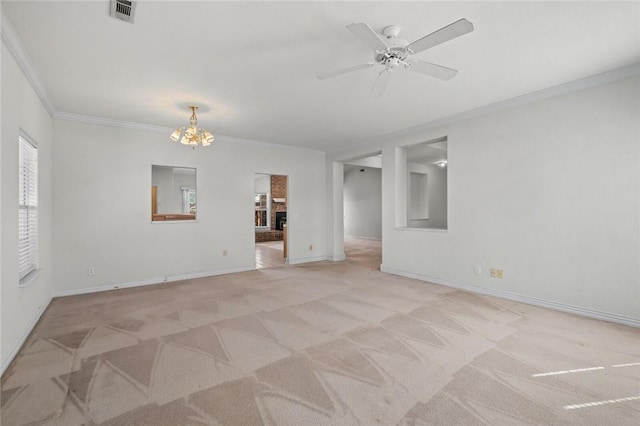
(577, 310)
(25, 333)
(150, 281)
(338, 258)
(209, 274)
(307, 260)
(358, 237)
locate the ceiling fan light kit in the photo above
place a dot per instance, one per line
(393, 52)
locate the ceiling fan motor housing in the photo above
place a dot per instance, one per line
(391, 31)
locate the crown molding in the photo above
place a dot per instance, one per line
(233, 139)
(100, 121)
(572, 86)
(12, 42)
(88, 119)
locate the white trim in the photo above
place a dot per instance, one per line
(21, 56)
(409, 228)
(357, 237)
(25, 334)
(26, 281)
(572, 86)
(14, 45)
(577, 310)
(306, 260)
(150, 281)
(99, 121)
(207, 274)
(232, 139)
(338, 258)
(158, 222)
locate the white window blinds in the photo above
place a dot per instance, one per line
(27, 208)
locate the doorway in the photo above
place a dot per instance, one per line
(270, 220)
(362, 210)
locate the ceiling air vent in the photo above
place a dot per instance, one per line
(122, 9)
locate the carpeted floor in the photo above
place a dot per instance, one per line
(321, 344)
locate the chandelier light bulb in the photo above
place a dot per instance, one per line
(192, 136)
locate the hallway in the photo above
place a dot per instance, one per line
(363, 251)
(270, 254)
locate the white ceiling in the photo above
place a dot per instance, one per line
(251, 66)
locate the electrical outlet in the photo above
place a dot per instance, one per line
(91, 271)
(310, 247)
(225, 252)
(477, 270)
(499, 273)
(492, 273)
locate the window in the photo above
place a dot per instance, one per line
(27, 208)
(188, 201)
(261, 202)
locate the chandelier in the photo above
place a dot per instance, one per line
(191, 135)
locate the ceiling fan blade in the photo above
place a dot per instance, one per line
(345, 70)
(365, 33)
(447, 33)
(381, 83)
(433, 70)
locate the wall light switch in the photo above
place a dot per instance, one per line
(477, 270)
(499, 273)
(492, 273)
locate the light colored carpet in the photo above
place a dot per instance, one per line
(322, 344)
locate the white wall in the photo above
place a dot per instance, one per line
(437, 193)
(547, 191)
(163, 180)
(335, 210)
(363, 202)
(112, 232)
(436, 196)
(263, 184)
(22, 110)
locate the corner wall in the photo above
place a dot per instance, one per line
(23, 111)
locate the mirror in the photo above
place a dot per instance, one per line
(173, 193)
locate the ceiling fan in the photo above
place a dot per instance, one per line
(393, 52)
